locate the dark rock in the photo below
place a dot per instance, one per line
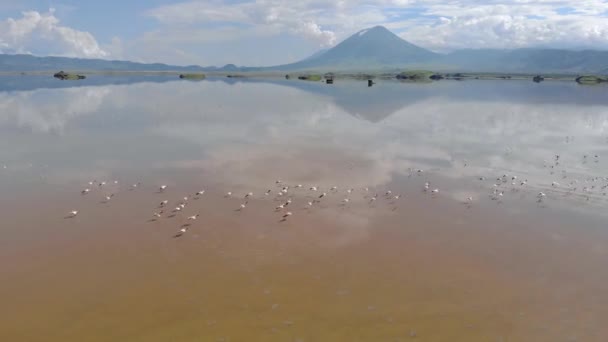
(538, 78)
(62, 75)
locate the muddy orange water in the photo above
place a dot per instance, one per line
(507, 265)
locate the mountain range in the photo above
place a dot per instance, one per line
(374, 48)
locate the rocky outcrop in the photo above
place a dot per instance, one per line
(538, 78)
(591, 79)
(62, 75)
(192, 76)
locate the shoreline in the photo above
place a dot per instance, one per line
(361, 75)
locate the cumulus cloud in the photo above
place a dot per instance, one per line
(42, 33)
(313, 31)
(267, 17)
(510, 24)
(436, 24)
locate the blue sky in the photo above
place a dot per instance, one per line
(267, 32)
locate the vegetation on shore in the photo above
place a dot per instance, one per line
(313, 77)
(416, 75)
(591, 79)
(423, 76)
(192, 76)
(62, 75)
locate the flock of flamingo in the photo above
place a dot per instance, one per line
(284, 192)
(282, 195)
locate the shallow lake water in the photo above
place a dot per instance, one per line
(453, 211)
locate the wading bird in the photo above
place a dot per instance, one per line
(181, 232)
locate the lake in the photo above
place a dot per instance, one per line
(447, 211)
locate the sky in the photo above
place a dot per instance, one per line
(271, 32)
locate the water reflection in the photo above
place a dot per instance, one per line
(249, 132)
(511, 267)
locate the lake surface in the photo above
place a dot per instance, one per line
(512, 245)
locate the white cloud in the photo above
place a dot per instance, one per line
(436, 24)
(510, 24)
(311, 30)
(42, 33)
(267, 32)
(270, 16)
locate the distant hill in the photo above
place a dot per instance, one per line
(370, 49)
(378, 48)
(529, 60)
(34, 63)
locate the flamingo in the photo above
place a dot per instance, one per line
(181, 232)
